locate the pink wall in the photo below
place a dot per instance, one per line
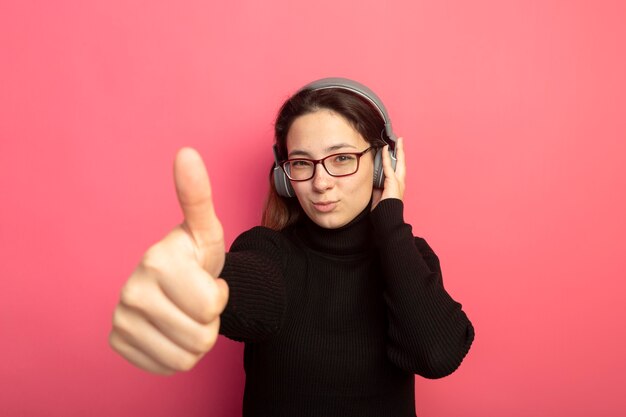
(514, 119)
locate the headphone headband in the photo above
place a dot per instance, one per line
(359, 89)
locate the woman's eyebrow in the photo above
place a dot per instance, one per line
(339, 147)
(329, 150)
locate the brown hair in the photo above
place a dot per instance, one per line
(280, 212)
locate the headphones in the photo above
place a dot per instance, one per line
(281, 181)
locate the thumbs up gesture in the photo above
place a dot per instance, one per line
(168, 315)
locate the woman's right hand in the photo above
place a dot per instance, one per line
(168, 315)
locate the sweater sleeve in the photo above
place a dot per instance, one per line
(254, 273)
(428, 332)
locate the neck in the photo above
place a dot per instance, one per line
(353, 238)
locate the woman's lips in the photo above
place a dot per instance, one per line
(325, 206)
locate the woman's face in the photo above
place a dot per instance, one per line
(331, 202)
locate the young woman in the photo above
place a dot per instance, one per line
(338, 304)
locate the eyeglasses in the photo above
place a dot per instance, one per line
(337, 165)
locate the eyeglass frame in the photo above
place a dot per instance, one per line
(316, 162)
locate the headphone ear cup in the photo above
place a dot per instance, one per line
(379, 176)
(282, 183)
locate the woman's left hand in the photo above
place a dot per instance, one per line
(394, 180)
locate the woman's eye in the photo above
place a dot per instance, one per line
(300, 164)
(343, 158)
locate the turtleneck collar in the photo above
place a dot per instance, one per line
(354, 238)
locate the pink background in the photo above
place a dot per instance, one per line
(514, 118)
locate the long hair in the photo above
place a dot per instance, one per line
(280, 212)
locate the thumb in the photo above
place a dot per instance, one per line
(195, 198)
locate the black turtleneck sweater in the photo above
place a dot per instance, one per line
(336, 322)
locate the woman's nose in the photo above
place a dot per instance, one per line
(322, 180)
